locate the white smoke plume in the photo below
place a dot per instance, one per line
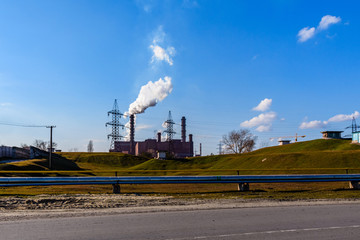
(150, 94)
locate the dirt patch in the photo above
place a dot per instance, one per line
(46, 206)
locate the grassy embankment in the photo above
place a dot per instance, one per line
(314, 155)
(311, 154)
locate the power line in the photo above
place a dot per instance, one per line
(22, 125)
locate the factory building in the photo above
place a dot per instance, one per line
(179, 148)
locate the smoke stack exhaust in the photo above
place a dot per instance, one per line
(132, 134)
(183, 129)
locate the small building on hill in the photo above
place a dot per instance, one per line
(331, 134)
(355, 137)
(284, 142)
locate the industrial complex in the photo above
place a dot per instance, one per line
(157, 148)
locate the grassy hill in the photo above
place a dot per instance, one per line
(310, 154)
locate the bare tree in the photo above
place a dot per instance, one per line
(24, 145)
(43, 145)
(240, 141)
(40, 144)
(90, 146)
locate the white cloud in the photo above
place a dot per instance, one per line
(343, 117)
(308, 32)
(263, 128)
(327, 20)
(323, 124)
(263, 122)
(159, 52)
(305, 34)
(312, 124)
(264, 105)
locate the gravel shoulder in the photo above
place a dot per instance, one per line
(51, 206)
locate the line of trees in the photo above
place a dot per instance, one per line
(45, 145)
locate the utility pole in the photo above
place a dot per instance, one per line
(51, 143)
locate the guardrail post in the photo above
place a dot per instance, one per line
(116, 188)
(243, 187)
(354, 185)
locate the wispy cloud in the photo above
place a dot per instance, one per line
(190, 4)
(145, 5)
(322, 124)
(143, 126)
(161, 53)
(307, 33)
(264, 105)
(5, 104)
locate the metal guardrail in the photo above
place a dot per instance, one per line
(42, 181)
(233, 171)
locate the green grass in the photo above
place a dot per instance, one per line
(103, 161)
(316, 154)
(310, 154)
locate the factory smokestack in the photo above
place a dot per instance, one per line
(183, 129)
(159, 136)
(132, 134)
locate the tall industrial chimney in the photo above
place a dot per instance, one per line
(159, 136)
(132, 134)
(191, 144)
(183, 129)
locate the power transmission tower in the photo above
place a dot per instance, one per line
(220, 148)
(354, 127)
(169, 128)
(115, 125)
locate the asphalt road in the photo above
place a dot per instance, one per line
(295, 222)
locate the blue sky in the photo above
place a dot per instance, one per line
(64, 62)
